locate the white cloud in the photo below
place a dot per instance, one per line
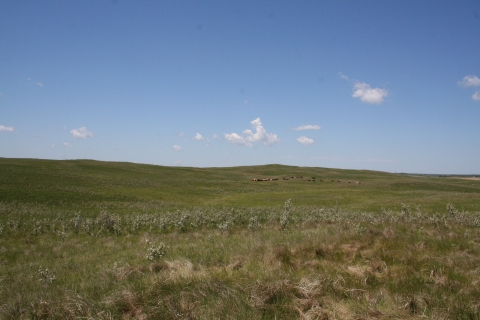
(9, 129)
(177, 148)
(53, 146)
(469, 81)
(260, 134)
(307, 127)
(368, 94)
(476, 96)
(81, 133)
(66, 144)
(198, 137)
(305, 141)
(249, 137)
(236, 139)
(215, 136)
(40, 84)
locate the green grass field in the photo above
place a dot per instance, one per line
(89, 185)
(99, 240)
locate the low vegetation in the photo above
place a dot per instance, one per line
(140, 258)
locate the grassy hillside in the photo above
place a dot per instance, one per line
(97, 240)
(89, 185)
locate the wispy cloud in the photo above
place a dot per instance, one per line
(305, 141)
(343, 76)
(367, 94)
(81, 133)
(8, 129)
(249, 137)
(182, 135)
(215, 136)
(307, 127)
(476, 96)
(177, 148)
(198, 137)
(35, 82)
(66, 144)
(470, 81)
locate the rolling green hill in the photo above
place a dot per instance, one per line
(89, 185)
(103, 240)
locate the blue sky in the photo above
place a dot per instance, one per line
(381, 85)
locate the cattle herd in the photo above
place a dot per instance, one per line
(302, 178)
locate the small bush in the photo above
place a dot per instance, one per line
(155, 251)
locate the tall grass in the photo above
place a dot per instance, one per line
(326, 263)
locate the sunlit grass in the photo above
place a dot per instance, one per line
(340, 265)
(90, 240)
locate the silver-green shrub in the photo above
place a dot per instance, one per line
(155, 251)
(286, 214)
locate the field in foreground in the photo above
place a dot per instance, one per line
(76, 243)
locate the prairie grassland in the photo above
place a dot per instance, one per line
(258, 263)
(92, 186)
(95, 240)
